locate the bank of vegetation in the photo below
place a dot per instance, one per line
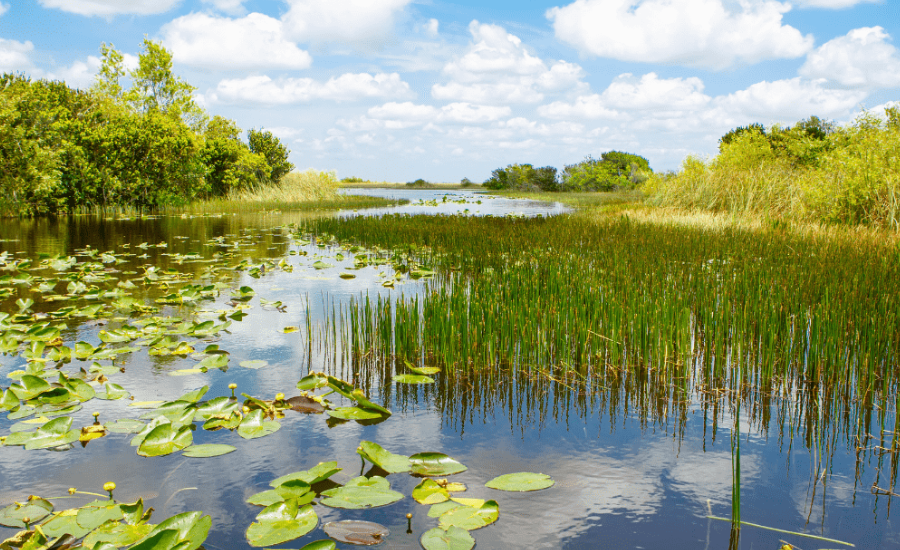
(613, 171)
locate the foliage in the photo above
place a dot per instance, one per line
(523, 177)
(353, 179)
(275, 154)
(419, 183)
(614, 171)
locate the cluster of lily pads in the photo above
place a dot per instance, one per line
(289, 511)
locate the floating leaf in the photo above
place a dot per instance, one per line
(413, 379)
(280, 523)
(255, 364)
(35, 509)
(112, 392)
(218, 407)
(387, 461)
(435, 464)
(304, 404)
(313, 381)
(146, 404)
(422, 370)
(520, 482)
(361, 492)
(228, 423)
(288, 330)
(471, 517)
(53, 434)
(363, 402)
(438, 510)
(345, 275)
(429, 492)
(63, 523)
(360, 533)
(320, 545)
(187, 372)
(353, 413)
(97, 513)
(194, 396)
(30, 387)
(254, 425)
(187, 531)
(321, 265)
(125, 426)
(117, 534)
(165, 439)
(317, 473)
(208, 450)
(453, 538)
(295, 489)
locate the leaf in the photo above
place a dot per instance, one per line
(363, 402)
(345, 275)
(112, 392)
(429, 492)
(453, 538)
(389, 462)
(361, 492)
(435, 464)
(190, 530)
(321, 265)
(255, 364)
(413, 379)
(422, 370)
(63, 523)
(194, 396)
(117, 534)
(313, 381)
(360, 533)
(97, 513)
(280, 523)
(520, 482)
(229, 423)
(317, 473)
(353, 413)
(53, 434)
(304, 404)
(288, 330)
(438, 510)
(470, 517)
(208, 450)
(29, 387)
(35, 509)
(320, 545)
(254, 425)
(165, 439)
(220, 406)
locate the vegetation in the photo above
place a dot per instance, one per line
(148, 146)
(612, 172)
(813, 171)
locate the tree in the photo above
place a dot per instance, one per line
(230, 163)
(270, 148)
(732, 134)
(156, 88)
(112, 69)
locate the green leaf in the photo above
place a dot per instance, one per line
(217, 423)
(30, 387)
(435, 464)
(429, 492)
(363, 402)
(64, 523)
(320, 472)
(254, 425)
(422, 370)
(117, 534)
(471, 517)
(220, 406)
(361, 492)
(190, 530)
(321, 265)
(97, 513)
(35, 509)
(265, 498)
(195, 395)
(280, 523)
(520, 482)
(255, 364)
(313, 381)
(353, 413)
(320, 545)
(208, 450)
(53, 434)
(453, 538)
(112, 392)
(413, 379)
(438, 510)
(165, 439)
(387, 461)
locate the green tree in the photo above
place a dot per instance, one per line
(112, 69)
(230, 163)
(732, 134)
(275, 153)
(156, 88)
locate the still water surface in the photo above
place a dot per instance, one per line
(633, 468)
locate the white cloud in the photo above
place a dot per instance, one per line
(695, 33)
(111, 7)
(830, 4)
(3, 8)
(862, 58)
(586, 106)
(402, 115)
(347, 87)
(431, 27)
(80, 74)
(14, 55)
(497, 68)
(254, 41)
(364, 23)
(790, 100)
(235, 7)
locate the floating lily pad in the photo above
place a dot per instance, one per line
(288, 330)
(116, 534)
(112, 392)
(53, 434)
(359, 533)
(435, 464)
(353, 413)
(313, 381)
(438, 510)
(35, 509)
(321, 265)
(185, 531)
(255, 364)
(207, 450)
(471, 517)
(520, 482)
(304, 404)
(429, 492)
(280, 523)
(361, 492)
(413, 379)
(165, 439)
(255, 425)
(387, 461)
(125, 426)
(320, 545)
(453, 538)
(218, 407)
(317, 473)
(345, 275)
(64, 523)
(97, 513)
(146, 404)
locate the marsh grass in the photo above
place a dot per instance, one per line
(600, 201)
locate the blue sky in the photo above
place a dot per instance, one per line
(404, 89)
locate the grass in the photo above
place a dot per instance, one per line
(397, 185)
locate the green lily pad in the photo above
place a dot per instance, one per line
(97, 513)
(320, 545)
(218, 423)
(422, 370)
(35, 509)
(117, 534)
(387, 461)
(438, 510)
(30, 386)
(345, 275)
(165, 439)
(125, 426)
(295, 489)
(413, 379)
(53, 434)
(520, 482)
(255, 364)
(363, 402)
(280, 523)
(429, 492)
(305, 404)
(435, 464)
(255, 425)
(187, 531)
(321, 265)
(453, 538)
(361, 492)
(112, 392)
(64, 523)
(194, 396)
(313, 381)
(208, 450)
(353, 413)
(471, 517)
(218, 407)
(356, 532)
(317, 473)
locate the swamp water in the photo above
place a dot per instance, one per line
(635, 466)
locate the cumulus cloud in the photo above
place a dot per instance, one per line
(109, 8)
(497, 68)
(14, 55)
(790, 100)
(862, 58)
(227, 6)
(361, 22)
(80, 74)
(830, 4)
(694, 33)
(251, 42)
(347, 87)
(409, 114)
(431, 27)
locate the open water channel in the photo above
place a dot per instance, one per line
(630, 471)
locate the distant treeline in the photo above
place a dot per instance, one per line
(144, 147)
(613, 171)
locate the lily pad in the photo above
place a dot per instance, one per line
(304, 404)
(387, 461)
(317, 473)
(255, 425)
(413, 379)
(116, 534)
(359, 533)
(280, 523)
(187, 531)
(53, 434)
(453, 538)
(361, 492)
(435, 464)
(520, 482)
(353, 413)
(422, 370)
(429, 492)
(218, 407)
(112, 392)
(313, 381)
(471, 517)
(125, 426)
(255, 364)
(35, 509)
(320, 545)
(438, 510)
(165, 439)
(207, 450)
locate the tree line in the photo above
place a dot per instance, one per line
(144, 147)
(614, 170)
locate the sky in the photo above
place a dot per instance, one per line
(396, 90)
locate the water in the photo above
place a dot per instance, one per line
(635, 467)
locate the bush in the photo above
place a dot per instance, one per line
(523, 177)
(419, 183)
(614, 171)
(466, 182)
(352, 179)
